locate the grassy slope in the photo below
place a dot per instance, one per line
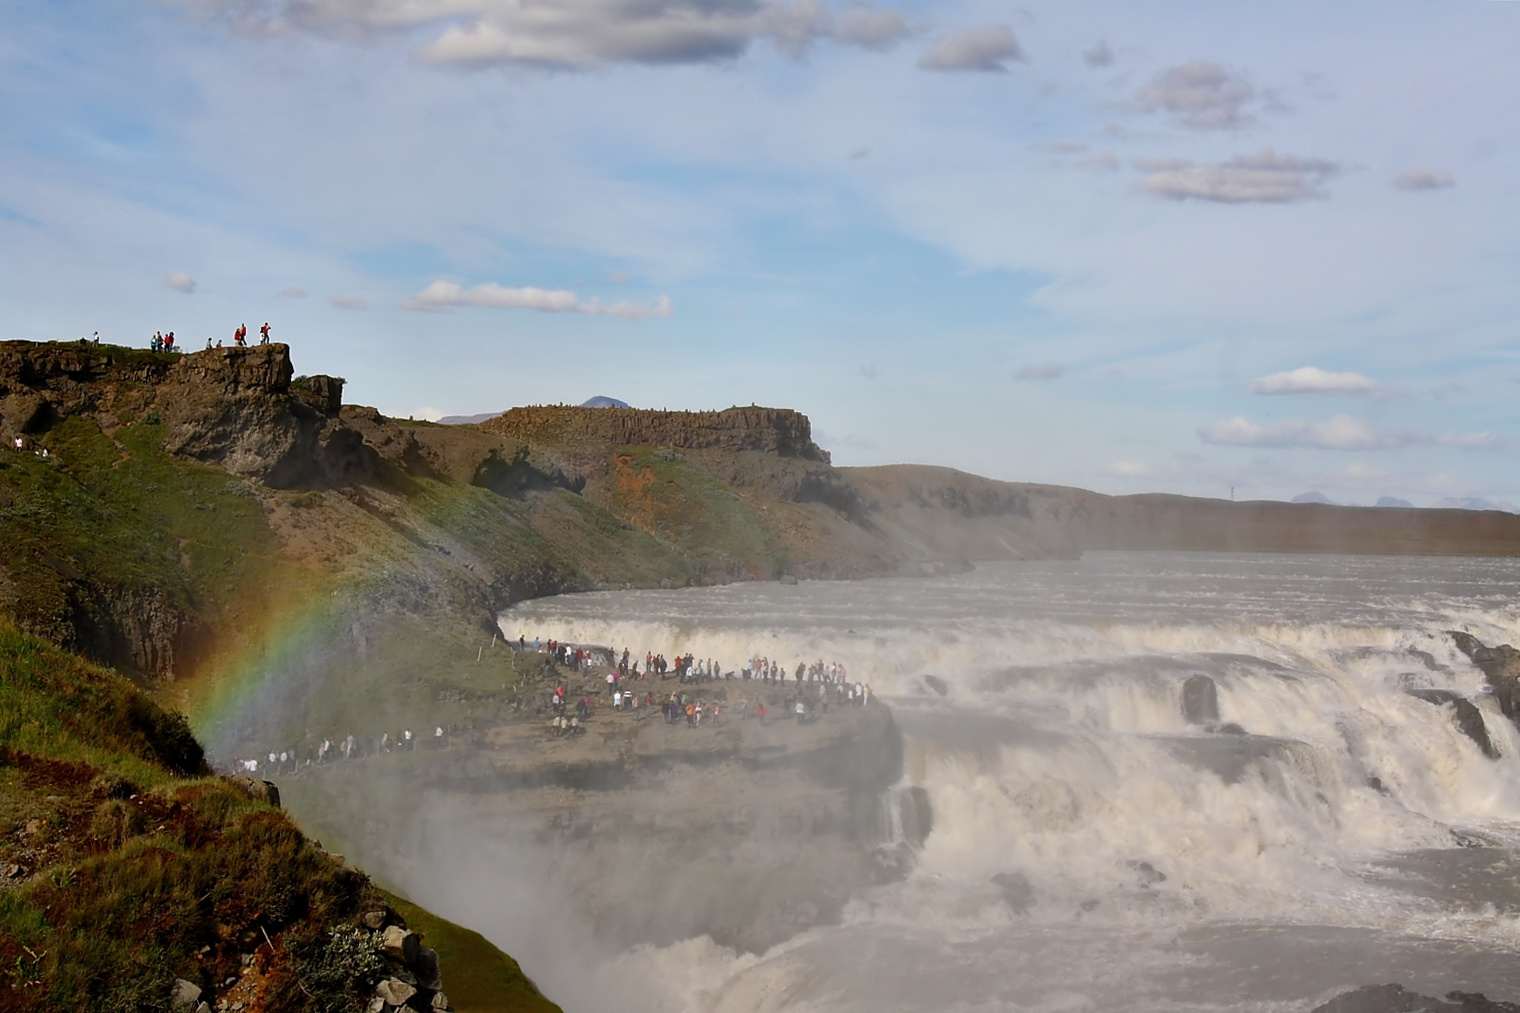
(118, 511)
(129, 868)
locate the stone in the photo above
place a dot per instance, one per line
(425, 967)
(1200, 700)
(253, 787)
(394, 991)
(440, 1001)
(374, 919)
(1501, 668)
(400, 944)
(185, 994)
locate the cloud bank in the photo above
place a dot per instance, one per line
(575, 34)
(1339, 433)
(1311, 380)
(1262, 178)
(442, 295)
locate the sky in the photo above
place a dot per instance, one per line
(1253, 248)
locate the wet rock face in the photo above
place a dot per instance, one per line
(1200, 701)
(1466, 715)
(1500, 666)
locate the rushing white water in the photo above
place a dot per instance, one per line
(1091, 848)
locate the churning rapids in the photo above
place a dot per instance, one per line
(1092, 848)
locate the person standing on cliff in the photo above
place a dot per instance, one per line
(264, 333)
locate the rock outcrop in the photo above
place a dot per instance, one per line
(1465, 713)
(778, 431)
(1200, 701)
(241, 408)
(1500, 666)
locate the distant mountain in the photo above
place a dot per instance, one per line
(1476, 503)
(465, 420)
(1313, 497)
(602, 401)
(1393, 501)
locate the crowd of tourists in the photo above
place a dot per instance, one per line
(164, 341)
(706, 694)
(814, 687)
(330, 750)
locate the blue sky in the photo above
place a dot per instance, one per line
(1130, 247)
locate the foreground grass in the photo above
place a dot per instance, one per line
(123, 866)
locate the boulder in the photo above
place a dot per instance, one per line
(401, 945)
(184, 995)
(425, 967)
(394, 991)
(440, 1001)
(1500, 666)
(1200, 700)
(253, 787)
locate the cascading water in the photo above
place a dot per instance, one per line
(1301, 825)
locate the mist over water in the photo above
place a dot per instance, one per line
(1094, 850)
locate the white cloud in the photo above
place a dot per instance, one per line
(1262, 178)
(291, 293)
(1129, 469)
(445, 294)
(575, 33)
(1200, 95)
(348, 302)
(989, 48)
(1311, 380)
(1040, 371)
(1339, 433)
(1423, 179)
(872, 28)
(180, 282)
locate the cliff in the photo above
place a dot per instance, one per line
(213, 524)
(778, 431)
